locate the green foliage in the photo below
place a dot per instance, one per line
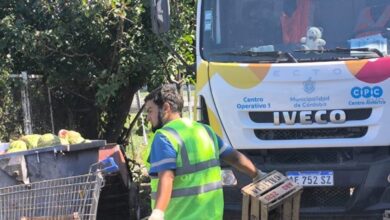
(93, 55)
(9, 116)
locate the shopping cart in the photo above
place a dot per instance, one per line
(74, 197)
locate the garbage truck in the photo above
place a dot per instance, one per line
(302, 87)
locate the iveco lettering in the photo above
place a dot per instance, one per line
(309, 117)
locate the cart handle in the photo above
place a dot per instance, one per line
(109, 165)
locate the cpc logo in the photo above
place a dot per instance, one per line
(366, 92)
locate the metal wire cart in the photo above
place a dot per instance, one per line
(88, 181)
(74, 197)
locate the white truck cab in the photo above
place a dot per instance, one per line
(302, 87)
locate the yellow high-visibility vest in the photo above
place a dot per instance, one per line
(197, 188)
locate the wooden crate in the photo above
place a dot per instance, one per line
(386, 215)
(273, 197)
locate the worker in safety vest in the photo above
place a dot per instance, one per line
(184, 161)
(373, 19)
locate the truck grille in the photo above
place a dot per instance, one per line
(325, 197)
(307, 156)
(316, 133)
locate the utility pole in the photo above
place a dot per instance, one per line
(142, 119)
(26, 105)
(51, 110)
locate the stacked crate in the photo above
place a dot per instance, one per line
(273, 197)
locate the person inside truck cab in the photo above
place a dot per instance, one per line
(373, 19)
(275, 21)
(295, 19)
(184, 162)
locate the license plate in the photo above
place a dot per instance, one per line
(311, 178)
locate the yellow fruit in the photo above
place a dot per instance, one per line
(31, 140)
(64, 141)
(63, 133)
(75, 137)
(48, 139)
(16, 146)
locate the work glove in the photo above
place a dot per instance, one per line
(260, 175)
(157, 214)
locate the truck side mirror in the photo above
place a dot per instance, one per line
(160, 16)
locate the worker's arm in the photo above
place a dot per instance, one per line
(164, 189)
(164, 192)
(241, 163)
(162, 159)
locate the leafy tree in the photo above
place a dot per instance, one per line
(10, 120)
(93, 55)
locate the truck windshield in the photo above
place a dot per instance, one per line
(302, 30)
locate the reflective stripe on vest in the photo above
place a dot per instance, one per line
(191, 191)
(214, 139)
(187, 167)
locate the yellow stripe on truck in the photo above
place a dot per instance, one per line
(241, 76)
(214, 122)
(355, 66)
